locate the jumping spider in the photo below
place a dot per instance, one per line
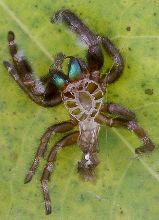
(82, 90)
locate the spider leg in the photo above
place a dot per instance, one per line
(38, 90)
(52, 130)
(65, 141)
(75, 24)
(94, 54)
(118, 66)
(41, 100)
(59, 59)
(132, 125)
(119, 111)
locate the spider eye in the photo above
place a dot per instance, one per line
(74, 69)
(58, 78)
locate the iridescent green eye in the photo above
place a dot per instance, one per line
(74, 71)
(58, 78)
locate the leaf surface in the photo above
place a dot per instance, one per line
(126, 188)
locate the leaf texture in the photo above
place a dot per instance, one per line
(126, 188)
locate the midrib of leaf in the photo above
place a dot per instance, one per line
(118, 188)
(25, 30)
(128, 145)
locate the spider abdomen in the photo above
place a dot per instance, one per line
(88, 142)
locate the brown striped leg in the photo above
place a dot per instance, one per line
(40, 100)
(76, 25)
(119, 111)
(132, 125)
(94, 53)
(60, 57)
(58, 128)
(118, 65)
(40, 91)
(19, 61)
(65, 141)
(22, 66)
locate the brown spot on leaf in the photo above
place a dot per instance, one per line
(149, 91)
(128, 28)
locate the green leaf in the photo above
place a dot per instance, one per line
(125, 188)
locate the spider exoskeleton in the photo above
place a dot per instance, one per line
(82, 90)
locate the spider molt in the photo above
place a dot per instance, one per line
(82, 90)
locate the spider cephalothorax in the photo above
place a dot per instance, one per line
(82, 90)
(83, 99)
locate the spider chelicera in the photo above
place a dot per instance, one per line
(82, 90)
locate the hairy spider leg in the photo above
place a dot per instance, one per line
(52, 130)
(60, 57)
(118, 66)
(21, 65)
(75, 24)
(118, 110)
(37, 99)
(132, 125)
(94, 53)
(32, 86)
(94, 42)
(65, 141)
